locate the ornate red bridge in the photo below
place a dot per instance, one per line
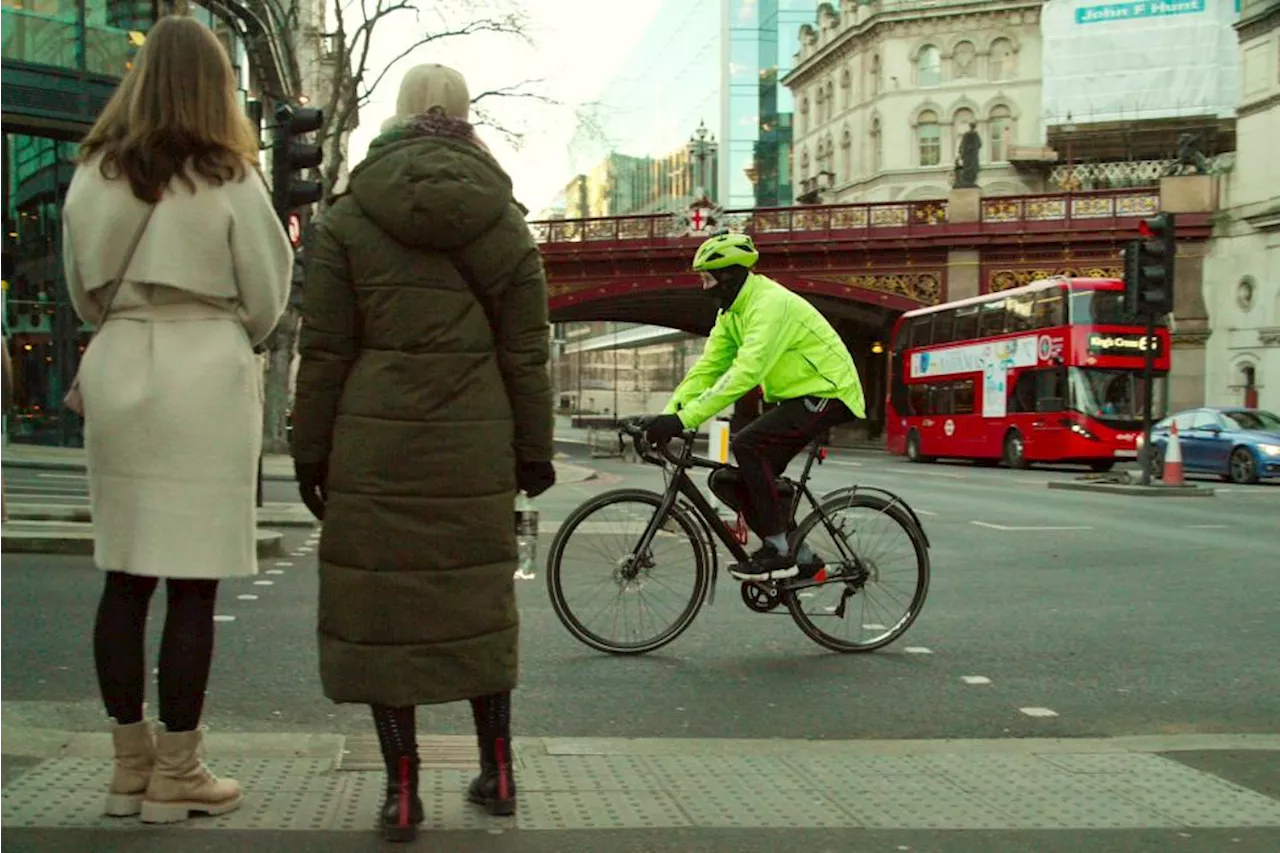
(860, 263)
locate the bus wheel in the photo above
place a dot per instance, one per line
(913, 448)
(1014, 450)
(1102, 465)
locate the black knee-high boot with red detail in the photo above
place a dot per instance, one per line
(495, 787)
(402, 809)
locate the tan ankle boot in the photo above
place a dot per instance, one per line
(135, 755)
(181, 784)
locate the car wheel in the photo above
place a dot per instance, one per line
(1244, 468)
(1015, 450)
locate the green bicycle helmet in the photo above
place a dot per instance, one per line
(725, 250)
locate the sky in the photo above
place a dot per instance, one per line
(578, 45)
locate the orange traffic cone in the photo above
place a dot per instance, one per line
(1173, 459)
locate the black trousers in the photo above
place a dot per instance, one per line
(765, 448)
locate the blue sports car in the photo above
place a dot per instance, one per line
(1240, 445)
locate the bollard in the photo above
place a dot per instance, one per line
(1172, 475)
(718, 449)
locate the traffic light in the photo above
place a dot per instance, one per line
(1148, 267)
(290, 154)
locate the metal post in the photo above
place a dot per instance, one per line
(259, 497)
(1148, 364)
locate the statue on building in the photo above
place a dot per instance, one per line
(967, 161)
(1189, 157)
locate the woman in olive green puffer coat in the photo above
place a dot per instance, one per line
(423, 401)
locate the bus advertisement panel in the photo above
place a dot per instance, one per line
(1049, 372)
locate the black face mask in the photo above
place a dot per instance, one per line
(725, 292)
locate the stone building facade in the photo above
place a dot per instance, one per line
(884, 91)
(1242, 270)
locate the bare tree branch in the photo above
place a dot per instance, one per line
(517, 91)
(509, 25)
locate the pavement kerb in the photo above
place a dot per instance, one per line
(270, 515)
(75, 539)
(32, 742)
(1134, 490)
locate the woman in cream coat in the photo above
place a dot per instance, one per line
(171, 388)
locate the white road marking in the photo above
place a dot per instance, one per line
(872, 626)
(918, 650)
(842, 463)
(1031, 528)
(274, 572)
(221, 618)
(941, 474)
(521, 576)
(1208, 526)
(264, 583)
(924, 511)
(283, 563)
(62, 476)
(975, 679)
(1039, 712)
(247, 597)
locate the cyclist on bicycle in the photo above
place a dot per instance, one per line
(768, 336)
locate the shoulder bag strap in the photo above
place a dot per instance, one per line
(124, 267)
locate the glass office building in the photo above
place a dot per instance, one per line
(716, 63)
(758, 42)
(62, 61)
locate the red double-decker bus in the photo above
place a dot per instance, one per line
(1048, 372)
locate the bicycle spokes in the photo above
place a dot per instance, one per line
(874, 575)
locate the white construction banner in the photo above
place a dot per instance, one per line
(1142, 59)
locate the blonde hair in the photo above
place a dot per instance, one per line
(175, 111)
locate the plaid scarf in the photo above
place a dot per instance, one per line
(434, 124)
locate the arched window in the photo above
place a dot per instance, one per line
(929, 66)
(831, 100)
(964, 60)
(929, 138)
(804, 165)
(877, 146)
(1001, 126)
(1249, 381)
(1001, 63)
(804, 116)
(875, 75)
(846, 92)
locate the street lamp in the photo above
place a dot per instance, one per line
(700, 147)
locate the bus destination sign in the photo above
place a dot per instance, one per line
(1117, 343)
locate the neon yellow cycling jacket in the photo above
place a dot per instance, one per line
(773, 338)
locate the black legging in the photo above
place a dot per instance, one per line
(186, 648)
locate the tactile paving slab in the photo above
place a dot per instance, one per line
(924, 791)
(295, 793)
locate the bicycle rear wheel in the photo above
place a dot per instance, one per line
(876, 575)
(646, 600)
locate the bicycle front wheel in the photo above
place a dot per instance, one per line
(876, 576)
(614, 597)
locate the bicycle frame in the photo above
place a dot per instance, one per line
(682, 485)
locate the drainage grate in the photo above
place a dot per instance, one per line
(437, 752)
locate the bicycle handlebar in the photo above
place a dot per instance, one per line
(636, 428)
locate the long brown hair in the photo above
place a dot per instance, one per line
(175, 111)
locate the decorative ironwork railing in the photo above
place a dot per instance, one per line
(913, 217)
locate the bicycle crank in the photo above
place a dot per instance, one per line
(760, 597)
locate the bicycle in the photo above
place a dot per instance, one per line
(681, 516)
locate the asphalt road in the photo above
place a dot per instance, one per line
(1112, 615)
